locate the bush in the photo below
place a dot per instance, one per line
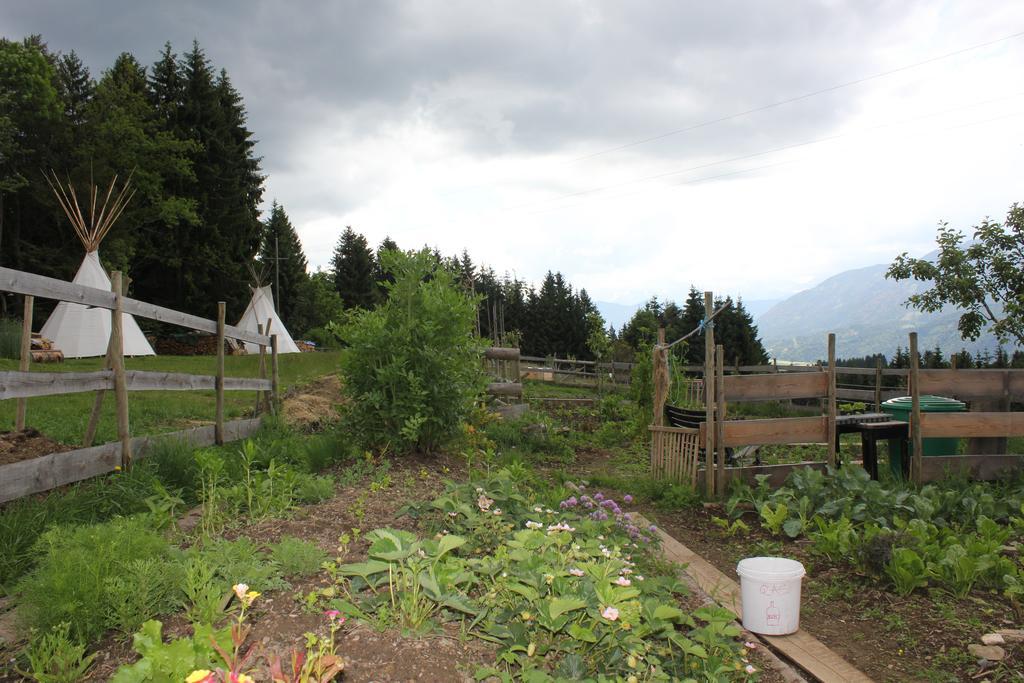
(413, 366)
(72, 580)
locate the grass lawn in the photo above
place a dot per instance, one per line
(64, 418)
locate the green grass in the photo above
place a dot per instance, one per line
(64, 418)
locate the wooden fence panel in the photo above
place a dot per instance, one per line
(16, 384)
(782, 430)
(775, 387)
(972, 424)
(51, 288)
(972, 384)
(26, 477)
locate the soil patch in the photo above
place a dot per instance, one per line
(314, 405)
(25, 445)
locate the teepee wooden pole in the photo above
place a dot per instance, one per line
(117, 363)
(274, 377)
(218, 429)
(26, 358)
(831, 400)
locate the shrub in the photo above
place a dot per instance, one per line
(54, 658)
(70, 583)
(413, 366)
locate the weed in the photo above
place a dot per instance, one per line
(70, 583)
(143, 589)
(297, 557)
(54, 658)
(242, 560)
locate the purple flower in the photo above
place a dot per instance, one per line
(598, 496)
(652, 528)
(627, 498)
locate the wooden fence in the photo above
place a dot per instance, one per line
(503, 365)
(40, 474)
(674, 451)
(576, 372)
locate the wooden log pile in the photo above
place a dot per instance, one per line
(42, 351)
(193, 345)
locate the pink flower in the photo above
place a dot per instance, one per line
(749, 645)
(622, 581)
(576, 572)
(333, 614)
(750, 669)
(610, 613)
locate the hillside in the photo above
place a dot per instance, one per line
(866, 312)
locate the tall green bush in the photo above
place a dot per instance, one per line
(413, 365)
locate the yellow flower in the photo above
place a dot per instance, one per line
(245, 678)
(198, 675)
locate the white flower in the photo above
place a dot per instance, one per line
(626, 570)
(610, 613)
(606, 552)
(750, 669)
(638, 577)
(538, 509)
(576, 572)
(497, 511)
(533, 525)
(623, 581)
(240, 590)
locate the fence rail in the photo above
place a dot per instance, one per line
(39, 474)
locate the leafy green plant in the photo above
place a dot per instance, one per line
(143, 589)
(242, 559)
(204, 598)
(833, 539)
(296, 557)
(70, 582)
(907, 571)
(412, 366)
(736, 527)
(774, 517)
(171, 662)
(54, 658)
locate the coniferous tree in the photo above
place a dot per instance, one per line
(353, 267)
(285, 265)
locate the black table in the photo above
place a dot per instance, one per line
(871, 432)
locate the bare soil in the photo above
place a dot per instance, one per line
(25, 445)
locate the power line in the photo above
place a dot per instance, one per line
(783, 163)
(798, 98)
(752, 155)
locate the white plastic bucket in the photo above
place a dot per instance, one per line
(770, 590)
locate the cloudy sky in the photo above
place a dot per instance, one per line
(751, 148)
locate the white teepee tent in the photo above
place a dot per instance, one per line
(82, 331)
(261, 309)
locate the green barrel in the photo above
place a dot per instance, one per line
(900, 409)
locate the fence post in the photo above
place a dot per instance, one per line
(218, 425)
(916, 449)
(117, 364)
(261, 370)
(274, 396)
(878, 384)
(720, 418)
(660, 378)
(709, 396)
(26, 358)
(831, 400)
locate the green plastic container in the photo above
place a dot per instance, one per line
(900, 409)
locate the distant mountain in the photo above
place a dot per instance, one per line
(616, 314)
(866, 312)
(756, 307)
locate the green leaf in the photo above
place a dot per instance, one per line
(582, 633)
(559, 606)
(448, 543)
(793, 527)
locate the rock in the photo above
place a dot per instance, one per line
(992, 639)
(1011, 635)
(993, 653)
